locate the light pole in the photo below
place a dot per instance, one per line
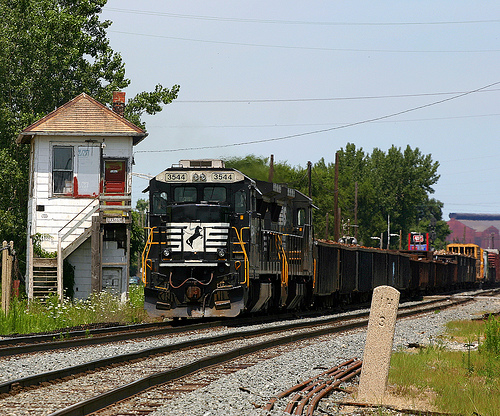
(378, 238)
(389, 238)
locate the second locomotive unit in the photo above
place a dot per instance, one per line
(220, 243)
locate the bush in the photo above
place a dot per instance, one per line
(491, 342)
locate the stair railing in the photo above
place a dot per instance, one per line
(61, 237)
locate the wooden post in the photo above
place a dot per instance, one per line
(356, 210)
(271, 169)
(327, 220)
(6, 275)
(60, 290)
(336, 209)
(309, 178)
(95, 255)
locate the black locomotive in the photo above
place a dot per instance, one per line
(220, 243)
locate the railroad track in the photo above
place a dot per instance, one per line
(17, 345)
(69, 392)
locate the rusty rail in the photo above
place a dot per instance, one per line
(311, 391)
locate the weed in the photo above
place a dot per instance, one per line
(464, 382)
(34, 316)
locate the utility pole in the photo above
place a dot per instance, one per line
(271, 169)
(356, 210)
(327, 220)
(7, 255)
(309, 178)
(388, 230)
(336, 209)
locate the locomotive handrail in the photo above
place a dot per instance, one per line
(240, 241)
(284, 261)
(145, 253)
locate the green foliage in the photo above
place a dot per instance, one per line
(463, 382)
(149, 102)
(492, 336)
(137, 241)
(396, 183)
(37, 247)
(258, 168)
(24, 317)
(50, 52)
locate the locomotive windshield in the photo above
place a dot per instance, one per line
(201, 213)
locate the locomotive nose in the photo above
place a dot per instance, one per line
(193, 293)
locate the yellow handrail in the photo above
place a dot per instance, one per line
(145, 253)
(240, 241)
(284, 261)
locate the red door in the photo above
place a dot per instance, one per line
(114, 179)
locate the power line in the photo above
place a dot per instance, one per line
(312, 48)
(247, 126)
(362, 97)
(294, 22)
(357, 123)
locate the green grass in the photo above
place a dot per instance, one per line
(28, 317)
(464, 382)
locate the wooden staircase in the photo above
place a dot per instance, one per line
(44, 277)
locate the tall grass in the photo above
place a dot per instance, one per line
(27, 317)
(464, 382)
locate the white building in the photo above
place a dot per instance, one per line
(79, 197)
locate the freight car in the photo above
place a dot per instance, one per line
(220, 243)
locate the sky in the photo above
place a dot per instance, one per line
(299, 80)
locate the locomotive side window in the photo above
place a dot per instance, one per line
(240, 202)
(185, 194)
(214, 193)
(301, 216)
(160, 203)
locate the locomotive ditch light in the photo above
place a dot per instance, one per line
(167, 252)
(221, 253)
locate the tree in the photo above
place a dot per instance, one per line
(394, 184)
(50, 52)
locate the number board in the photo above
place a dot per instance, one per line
(200, 176)
(223, 177)
(175, 177)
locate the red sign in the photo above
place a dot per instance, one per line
(418, 238)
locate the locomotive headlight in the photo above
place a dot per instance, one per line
(203, 177)
(167, 252)
(196, 177)
(221, 252)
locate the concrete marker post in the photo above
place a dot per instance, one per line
(378, 347)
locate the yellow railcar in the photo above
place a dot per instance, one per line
(472, 250)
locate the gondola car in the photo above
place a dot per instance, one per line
(220, 243)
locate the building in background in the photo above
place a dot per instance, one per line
(480, 229)
(80, 197)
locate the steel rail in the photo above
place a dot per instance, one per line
(121, 393)
(62, 340)
(36, 379)
(70, 339)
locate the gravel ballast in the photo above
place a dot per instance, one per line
(246, 392)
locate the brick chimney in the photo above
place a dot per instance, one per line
(119, 102)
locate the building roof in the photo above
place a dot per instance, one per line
(477, 222)
(82, 116)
